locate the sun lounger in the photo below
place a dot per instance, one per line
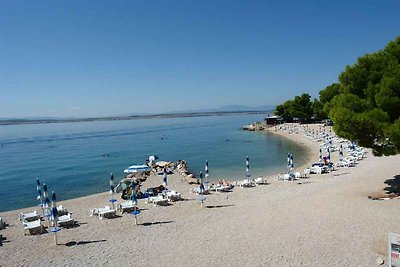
(105, 212)
(173, 196)
(66, 220)
(29, 216)
(247, 183)
(126, 206)
(260, 181)
(158, 200)
(34, 227)
(61, 210)
(197, 190)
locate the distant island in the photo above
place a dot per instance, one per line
(131, 117)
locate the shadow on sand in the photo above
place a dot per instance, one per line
(394, 185)
(218, 206)
(155, 223)
(73, 243)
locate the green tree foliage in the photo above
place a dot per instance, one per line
(366, 107)
(300, 107)
(318, 110)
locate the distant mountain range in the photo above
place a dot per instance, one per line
(230, 108)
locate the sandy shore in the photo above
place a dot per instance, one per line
(325, 220)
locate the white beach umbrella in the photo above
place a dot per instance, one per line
(165, 177)
(206, 169)
(135, 212)
(247, 167)
(137, 168)
(320, 154)
(291, 162)
(54, 217)
(112, 190)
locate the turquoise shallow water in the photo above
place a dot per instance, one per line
(69, 157)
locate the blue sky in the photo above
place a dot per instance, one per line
(99, 58)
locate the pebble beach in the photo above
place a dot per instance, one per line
(322, 220)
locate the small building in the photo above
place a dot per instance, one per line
(273, 120)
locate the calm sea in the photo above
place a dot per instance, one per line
(76, 159)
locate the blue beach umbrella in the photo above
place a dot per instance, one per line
(291, 162)
(206, 169)
(320, 154)
(328, 154)
(112, 190)
(202, 199)
(201, 177)
(247, 167)
(39, 194)
(341, 151)
(201, 182)
(54, 216)
(46, 200)
(165, 177)
(133, 197)
(39, 190)
(135, 212)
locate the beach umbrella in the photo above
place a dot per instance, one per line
(291, 162)
(46, 200)
(165, 177)
(202, 199)
(341, 151)
(39, 190)
(137, 168)
(39, 194)
(247, 167)
(112, 190)
(206, 169)
(328, 154)
(53, 206)
(135, 212)
(54, 217)
(320, 154)
(201, 182)
(134, 199)
(201, 177)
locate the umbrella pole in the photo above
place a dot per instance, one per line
(55, 238)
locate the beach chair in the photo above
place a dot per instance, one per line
(61, 210)
(247, 183)
(33, 227)
(66, 221)
(105, 212)
(260, 181)
(158, 200)
(29, 216)
(197, 190)
(173, 196)
(126, 206)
